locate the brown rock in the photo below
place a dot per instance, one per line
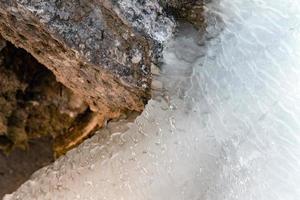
(102, 50)
(2, 43)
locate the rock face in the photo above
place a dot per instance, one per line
(100, 49)
(2, 43)
(32, 103)
(187, 10)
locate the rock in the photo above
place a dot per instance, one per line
(2, 43)
(189, 10)
(102, 50)
(155, 70)
(34, 105)
(156, 85)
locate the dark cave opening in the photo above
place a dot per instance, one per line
(35, 112)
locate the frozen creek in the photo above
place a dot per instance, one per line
(230, 128)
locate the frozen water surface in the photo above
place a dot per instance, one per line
(227, 128)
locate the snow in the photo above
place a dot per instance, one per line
(227, 128)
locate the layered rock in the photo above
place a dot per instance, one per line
(102, 50)
(2, 43)
(33, 104)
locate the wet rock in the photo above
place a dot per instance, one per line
(188, 10)
(102, 50)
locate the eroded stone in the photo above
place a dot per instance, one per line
(32, 103)
(92, 44)
(2, 43)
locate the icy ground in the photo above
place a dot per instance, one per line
(229, 127)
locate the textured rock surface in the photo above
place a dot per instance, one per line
(2, 43)
(32, 103)
(187, 10)
(102, 50)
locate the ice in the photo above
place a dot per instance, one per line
(227, 127)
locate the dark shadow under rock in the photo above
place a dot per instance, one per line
(16, 168)
(32, 103)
